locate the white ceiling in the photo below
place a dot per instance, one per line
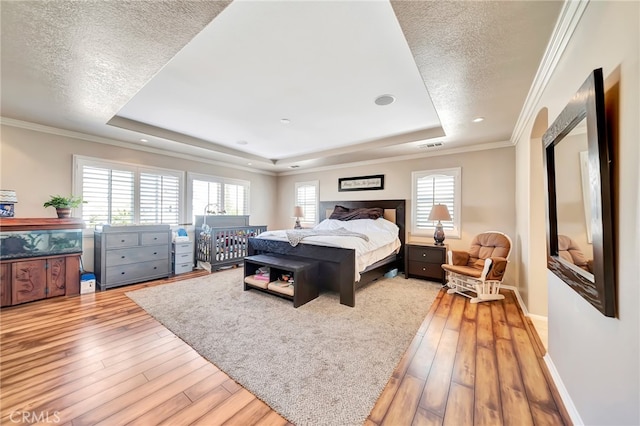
(214, 80)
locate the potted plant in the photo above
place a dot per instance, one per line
(63, 205)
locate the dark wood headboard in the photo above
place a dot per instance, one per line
(397, 205)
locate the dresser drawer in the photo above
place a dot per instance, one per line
(136, 271)
(136, 254)
(425, 270)
(183, 258)
(149, 238)
(427, 254)
(182, 268)
(183, 247)
(121, 240)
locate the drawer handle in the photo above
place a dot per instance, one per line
(424, 269)
(121, 257)
(155, 238)
(155, 252)
(121, 273)
(155, 267)
(424, 254)
(122, 241)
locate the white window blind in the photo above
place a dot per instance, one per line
(306, 196)
(217, 195)
(236, 199)
(121, 193)
(436, 187)
(109, 196)
(159, 198)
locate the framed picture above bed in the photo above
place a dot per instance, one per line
(361, 183)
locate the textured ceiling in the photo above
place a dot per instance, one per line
(74, 66)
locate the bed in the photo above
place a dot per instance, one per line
(337, 270)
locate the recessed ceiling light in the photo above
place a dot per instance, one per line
(285, 121)
(144, 140)
(385, 100)
(248, 164)
(242, 142)
(478, 119)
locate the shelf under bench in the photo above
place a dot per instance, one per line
(302, 271)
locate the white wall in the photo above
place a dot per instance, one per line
(37, 165)
(488, 191)
(597, 358)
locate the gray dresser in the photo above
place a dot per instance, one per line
(131, 254)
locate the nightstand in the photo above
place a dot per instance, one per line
(424, 261)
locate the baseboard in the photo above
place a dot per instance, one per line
(562, 390)
(520, 301)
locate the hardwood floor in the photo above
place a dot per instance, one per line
(99, 359)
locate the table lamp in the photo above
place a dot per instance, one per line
(297, 213)
(439, 212)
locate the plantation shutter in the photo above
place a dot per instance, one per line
(159, 198)
(236, 199)
(435, 189)
(206, 196)
(306, 197)
(109, 196)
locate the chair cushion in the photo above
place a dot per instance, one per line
(570, 251)
(464, 270)
(488, 244)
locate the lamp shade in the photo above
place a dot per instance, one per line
(439, 212)
(298, 212)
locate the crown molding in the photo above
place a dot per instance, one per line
(98, 139)
(386, 160)
(568, 20)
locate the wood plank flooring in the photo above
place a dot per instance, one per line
(99, 359)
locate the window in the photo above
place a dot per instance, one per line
(159, 198)
(432, 187)
(121, 193)
(212, 194)
(306, 196)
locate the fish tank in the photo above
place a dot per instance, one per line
(39, 242)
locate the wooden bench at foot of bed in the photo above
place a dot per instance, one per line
(302, 271)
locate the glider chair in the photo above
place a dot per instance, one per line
(571, 252)
(478, 273)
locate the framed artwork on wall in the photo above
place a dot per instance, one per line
(361, 183)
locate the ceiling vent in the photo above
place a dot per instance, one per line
(430, 145)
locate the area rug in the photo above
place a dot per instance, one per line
(320, 364)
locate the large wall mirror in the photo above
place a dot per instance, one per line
(579, 214)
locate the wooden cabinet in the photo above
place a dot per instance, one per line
(425, 261)
(131, 254)
(40, 259)
(42, 278)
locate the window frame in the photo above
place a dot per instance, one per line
(80, 161)
(456, 172)
(316, 185)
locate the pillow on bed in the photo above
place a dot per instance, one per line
(363, 226)
(367, 226)
(344, 213)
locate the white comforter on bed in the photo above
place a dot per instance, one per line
(383, 239)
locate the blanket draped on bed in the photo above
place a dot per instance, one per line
(296, 235)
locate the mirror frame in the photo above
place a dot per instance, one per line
(597, 288)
